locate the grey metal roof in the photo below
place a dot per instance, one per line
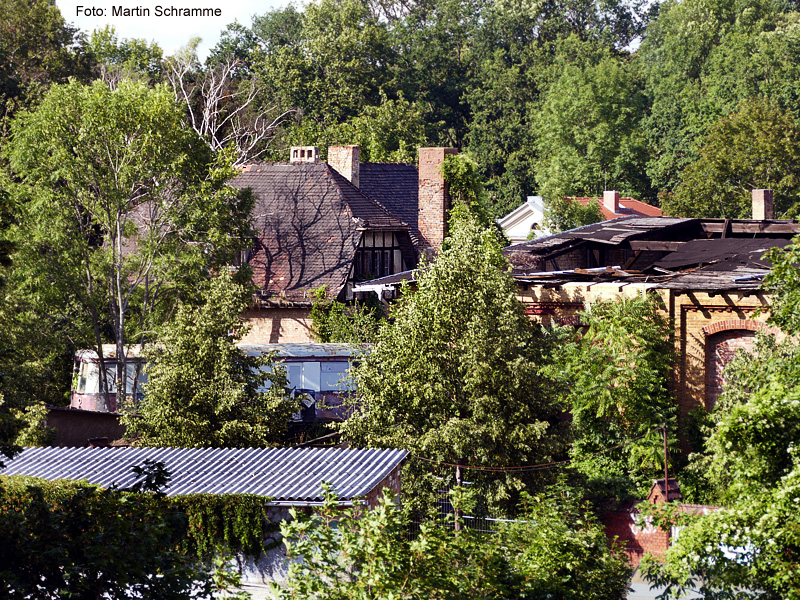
(283, 474)
(614, 232)
(305, 350)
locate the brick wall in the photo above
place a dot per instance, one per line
(720, 350)
(392, 482)
(634, 538)
(696, 317)
(638, 536)
(278, 326)
(434, 200)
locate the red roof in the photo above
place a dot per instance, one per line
(628, 207)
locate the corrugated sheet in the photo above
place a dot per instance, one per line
(303, 350)
(282, 474)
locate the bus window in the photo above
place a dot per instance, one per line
(88, 378)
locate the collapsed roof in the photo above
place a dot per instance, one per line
(676, 253)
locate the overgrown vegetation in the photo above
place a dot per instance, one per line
(749, 463)
(333, 321)
(617, 374)
(202, 390)
(557, 550)
(456, 378)
(71, 539)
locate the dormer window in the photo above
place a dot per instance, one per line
(378, 255)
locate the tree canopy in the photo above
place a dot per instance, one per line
(202, 390)
(122, 207)
(618, 373)
(455, 377)
(558, 551)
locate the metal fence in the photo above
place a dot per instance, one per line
(479, 520)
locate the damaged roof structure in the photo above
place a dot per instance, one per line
(678, 254)
(707, 274)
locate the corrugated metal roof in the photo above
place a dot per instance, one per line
(309, 350)
(283, 351)
(282, 474)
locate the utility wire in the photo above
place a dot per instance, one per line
(540, 467)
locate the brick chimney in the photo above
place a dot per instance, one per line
(304, 154)
(346, 160)
(611, 201)
(762, 205)
(434, 199)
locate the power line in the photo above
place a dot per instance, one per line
(540, 467)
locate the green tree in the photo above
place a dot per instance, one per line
(756, 147)
(392, 131)
(334, 321)
(618, 374)
(202, 390)
(65, 539)
(37, 48)
(558, 552)
(122, 207)
(336, 68)
(455, 377)
(750, 460)
(588, 137)
(701, 59)
(561, 214)
(125, 58)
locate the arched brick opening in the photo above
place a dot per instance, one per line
(723, 339)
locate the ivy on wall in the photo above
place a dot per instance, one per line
(74, 538)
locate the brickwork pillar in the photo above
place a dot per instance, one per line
(434, 199)
(346, 160)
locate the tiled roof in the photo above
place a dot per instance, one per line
(628, 207)
(395, 186)
(308, 219)
(284, 475)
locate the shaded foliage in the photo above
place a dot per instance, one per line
(558, 551)
(202, 390)
(455, 377)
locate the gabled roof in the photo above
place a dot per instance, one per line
(308, 219)
(284, 475)
(396, 187)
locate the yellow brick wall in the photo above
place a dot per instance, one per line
(278, 326)
(695, 315)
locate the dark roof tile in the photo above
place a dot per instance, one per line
(308, 219)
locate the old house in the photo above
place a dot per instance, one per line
(529, 218)
(706, 272)
(335, 224)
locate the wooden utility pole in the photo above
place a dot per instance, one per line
(666, 488)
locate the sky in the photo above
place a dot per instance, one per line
(170, 32)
